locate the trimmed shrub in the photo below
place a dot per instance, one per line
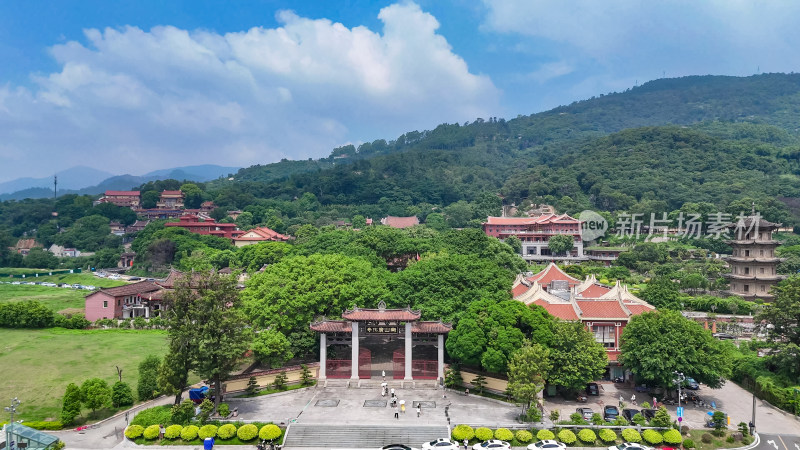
(631, 435)
(462, 432)
(607, 435)
(153, 416)
(544, 435)
(730, 440)
(151, 432)
(652, 437)
(226, 431)
(688, 443)
(524, 436)
(484, 434)
(269, 432)
(672, 437)
(134, 431)
(173, 432)
(189, 433)
(223, 410)
(504, 434)
(586, 435)
(706, 438)
(567, 437)
(207, 431)
(45, 425)
(247, 432)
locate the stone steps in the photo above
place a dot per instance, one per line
(360, 436)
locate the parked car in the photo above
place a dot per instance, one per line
(586, 413)
(630, 446)
(492, 444)
(648, 413)
(592, 389)
(711, 423)
(547, 444)
(440, 444)
(134, 278)
(628, 413)
(690, 383)
(610, 413)
(397, 447)
(723, 336)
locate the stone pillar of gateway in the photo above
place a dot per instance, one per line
(390, 343)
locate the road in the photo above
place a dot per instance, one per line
(778, 442)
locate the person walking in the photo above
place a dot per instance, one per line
(383, 374)
(392, 392)
(419, 409)
(396, 413)
(621, 400)
(633, 399)
(403, 406)
(466, 444)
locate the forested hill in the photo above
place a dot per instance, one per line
(767, 99)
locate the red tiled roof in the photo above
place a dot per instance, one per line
(171, 193)
(594, 291)
(563, 311)
(123, 193)
(605, 309)
(263, 233)
(131, 289)
(377, 314)
(637, 309)
(519, 290)
(551, 273)
(430, 327)
(400, 222)
(331, 326)
(543, 219)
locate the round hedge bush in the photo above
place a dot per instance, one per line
(544, 435)
(607, 435)
(226, 431)
(484, 433)
(134, 431)
(706, 438)
(652, 437)
(189, 433)
(688, 443)
(567, 437)
(586, 435)
(462, 432)
(672, 437)
(151, 432)
(173, 432)
(631, 435)
(207, 431)
(504, 434)
(247, 432)
(524, 436)
(269, 432)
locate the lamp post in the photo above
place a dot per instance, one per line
(679, 378)
(12, 410)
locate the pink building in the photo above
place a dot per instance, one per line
(209, 226)
(535, 233)
(122, 302)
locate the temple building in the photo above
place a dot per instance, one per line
(170, 200)
(383, 342)
(535, 233)
(128, 199)
(196, 224)
(604, 310)
(754, 266)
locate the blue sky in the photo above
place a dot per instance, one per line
(133, 86)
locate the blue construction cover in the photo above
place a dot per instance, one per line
(198, 394)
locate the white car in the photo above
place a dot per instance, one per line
(548, 444)
(629, 446)
(397, 447)
(492, 444)
(440, 444)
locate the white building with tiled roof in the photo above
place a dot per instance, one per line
(535, 234)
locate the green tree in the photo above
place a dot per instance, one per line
(192, 195)
(149, 199)
(173, 374)
(252, 386)
(254, 257)
(71, 405)
(514, 243)
(452, 377)
(305, 375)
(359, 221)
(662, 292)
(657, 344)
(783, 313)
(147, 387)
(95, 393)
(560, 244)
(479, 382)
(271, 347)
(222, 335)
(121, 394)
(576, 357)
(280, 381)
(527, 371)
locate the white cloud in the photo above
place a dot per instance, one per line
(130, 100)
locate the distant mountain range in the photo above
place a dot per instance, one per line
(85, 180)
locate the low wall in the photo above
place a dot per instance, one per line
(492, 384)
(267, 377)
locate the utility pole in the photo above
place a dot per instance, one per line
(55, 187)
(11, 409)
(679, 378)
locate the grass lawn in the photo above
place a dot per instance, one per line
(38, 364)
(717, 442)
(55, 298)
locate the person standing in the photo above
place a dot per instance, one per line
(396, 413)
(419, 409)
(633, 399)
(383, 374)
(161, 431)
(621, 400)
(466, 444)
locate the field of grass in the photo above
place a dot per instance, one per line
(71, 278)
(57, 299)
(38, 364)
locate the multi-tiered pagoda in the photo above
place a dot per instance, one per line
(754, 266)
